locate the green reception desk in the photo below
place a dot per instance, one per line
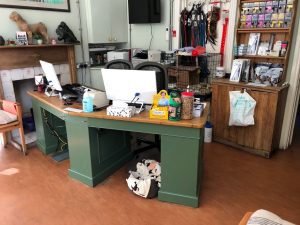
(100, 144)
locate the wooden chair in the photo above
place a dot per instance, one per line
(14, 108)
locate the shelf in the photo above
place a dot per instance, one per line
(251, 1)
(263, 30)
(34, 46)
(260, 57)
(227, 82)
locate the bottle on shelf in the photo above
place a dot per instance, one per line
(283, 48)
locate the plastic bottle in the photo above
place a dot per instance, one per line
(87, 102)
(208, 132)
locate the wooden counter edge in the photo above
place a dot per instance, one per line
(249, 87)
(198, 122)
(33, 94)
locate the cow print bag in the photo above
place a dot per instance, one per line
(145, 181)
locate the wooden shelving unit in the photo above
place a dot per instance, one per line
(263, 137)
(280, 34)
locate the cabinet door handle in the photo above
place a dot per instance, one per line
(109, 39)
(115, 39)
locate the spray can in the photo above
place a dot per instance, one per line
(87, 101)
(174, 106)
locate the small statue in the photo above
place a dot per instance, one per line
(30, 28)
(2, 41)
(64, 33)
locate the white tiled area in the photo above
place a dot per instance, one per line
(9, 76)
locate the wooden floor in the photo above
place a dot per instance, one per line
(39, 192)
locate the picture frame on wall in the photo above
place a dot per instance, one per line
(49, 5)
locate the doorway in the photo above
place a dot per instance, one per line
(296, 135)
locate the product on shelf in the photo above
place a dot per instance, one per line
(267, 73)
(253, 43)
(268, 14)
(240, 70)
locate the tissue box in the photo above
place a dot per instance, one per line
(120, 111)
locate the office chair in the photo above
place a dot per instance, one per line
(15, 109)
(119, 64)
(162, 84)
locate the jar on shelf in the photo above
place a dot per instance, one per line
(187, 101)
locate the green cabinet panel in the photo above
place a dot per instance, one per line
(47, 141)
(181, 173)
(96, 153)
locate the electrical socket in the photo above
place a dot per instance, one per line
(82, 65)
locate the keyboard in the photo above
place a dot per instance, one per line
(69, 93)
(74, 89)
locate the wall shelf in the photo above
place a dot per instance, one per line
(34, 46)
(260, 57)
(263, 30)
(251, 1)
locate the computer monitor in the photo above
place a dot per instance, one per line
(123, 85)
(53, 82)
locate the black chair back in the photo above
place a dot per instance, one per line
(161, 73)
(119, 64)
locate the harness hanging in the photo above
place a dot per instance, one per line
(192, 24)
(213, 18)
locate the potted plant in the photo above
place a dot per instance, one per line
(37, 38)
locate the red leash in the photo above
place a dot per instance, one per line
(223, 41)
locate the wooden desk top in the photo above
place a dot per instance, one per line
(143, 117)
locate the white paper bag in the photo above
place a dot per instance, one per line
(242, 107)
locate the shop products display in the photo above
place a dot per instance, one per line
(266, 14)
